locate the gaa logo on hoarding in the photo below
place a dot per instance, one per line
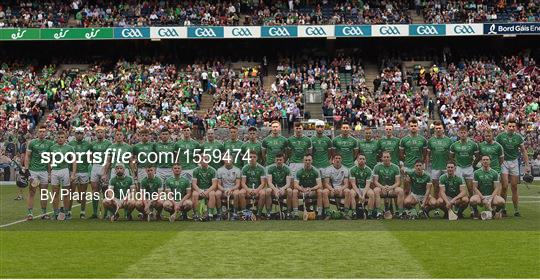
(205, 32)
(131, 33)
(353, 31)
(167, 32)
(279, 32)
(241, 32)
(389, 30)
(463, 29)
(426, 30)
(315, 31)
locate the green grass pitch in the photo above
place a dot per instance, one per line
(437, 248)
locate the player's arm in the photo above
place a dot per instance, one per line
(326, 183)
(376, 182)
(497, 188)
(27, 157)
(195, 185)
(501, 156)
(318, 184)
(451, 154)
(397, 183)
(243, 183)
(442, 193)
(525, 158)
(214, 185)
(429, 187)
(262, 184)
(475, 189)
(428, 155)
(462, 192)
(287, 184)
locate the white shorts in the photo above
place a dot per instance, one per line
(82, 178)
(141, 173)
(294, 167)
(164, 173)
(436, 174)
(97, 173)
(60, 177)
(42, 176)
(419, 198)
(465, 172)
(510, 167)
(188, 174)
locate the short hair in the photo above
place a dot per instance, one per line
(418, 161)
(486, 156)
(165, 130)
(273, 122)
(280, 155)
(345, 123)
(413, 120)
(144, 131)
(42, 126)
(298, 124)
(252, 128)
(308, 155)
(337, 155)
(61, 132)
(360, 155)
(463, 128)
(232, 127)
(437, 123)
(386, 152)
(511, 120)
(451, 162)
(252, 152)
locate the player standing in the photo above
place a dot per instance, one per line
(233, 148)
(438, 150)
(120, 150)
(165, 151)
(299, 145)
(512, 144)
(61, 177)
(82, 178)
(38, 170)
(412, 148)
(346, 146)
(188, 149)
(369, 147)
(141, 151)
(214, 147)
(321, 146)
(390, 143)
(492, 149)
(273, 143)
(463, 152)
(98, 148)
(253, 144)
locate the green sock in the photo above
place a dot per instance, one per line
(95, 206)
(30, 211)
(516, 209)
(43, 211)
(325, 210)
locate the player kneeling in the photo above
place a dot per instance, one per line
(418, 191)
(178, 199)
(487, 190)
(116, 197)
(452, 192)
(360, 184)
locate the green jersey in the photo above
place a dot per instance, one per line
(119, 150)
(256, 147)
(486, 180)
(274, 145)
(307, 178)
(254, 175)
(215, 150)
(439, 149)
(82, 146)
(99, 147)
(345, 147)
(386, 174)
(279, 174)
(151, 185)
(180, 184)
(204, 176)
(451, 184)
(121, 184)
(391, 145)
(38, 148)
(299, 148)
(494, 151)
(361, 175)
(141, 152)
(166, 153)
(464, 152)
(232, 148)
(510, 144)
(414, 149)
(419, 182)
(61, 149)
(186, 148)
(371, 150)
(321, 147)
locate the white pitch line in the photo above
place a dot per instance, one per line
(38, 216)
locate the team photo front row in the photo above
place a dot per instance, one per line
(280, 178)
